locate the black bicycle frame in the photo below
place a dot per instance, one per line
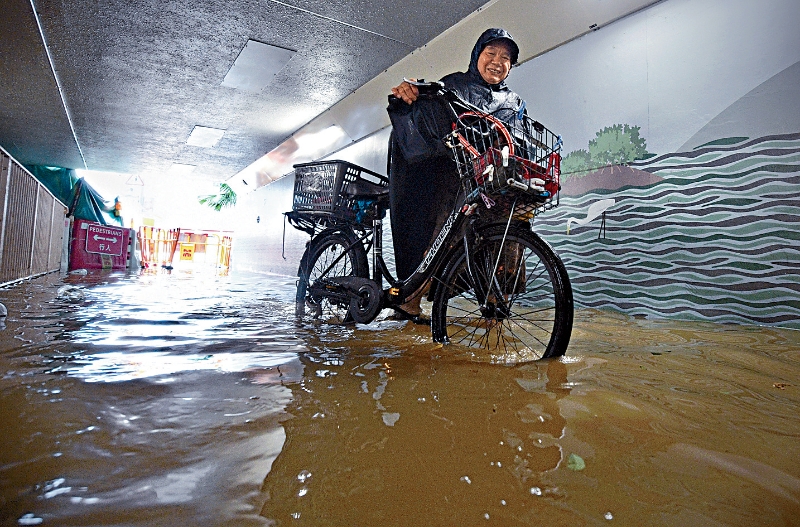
(401, 290)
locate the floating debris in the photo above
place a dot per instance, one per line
(390, 418)
(575, 462)
(30, 519)
(71, 293)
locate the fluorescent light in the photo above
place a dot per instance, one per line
(313, 145)
(300, 148)
(205, 137)
(256, 66)
(180, 169)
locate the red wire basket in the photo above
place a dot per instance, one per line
(506, 166)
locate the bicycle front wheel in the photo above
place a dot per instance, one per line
(511, 297)
(329, 255)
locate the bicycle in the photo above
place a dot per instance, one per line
(494, 283)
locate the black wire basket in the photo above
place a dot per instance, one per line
(506, 168)
(339, 191)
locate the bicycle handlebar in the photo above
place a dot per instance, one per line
(426, 87)
(436, 89)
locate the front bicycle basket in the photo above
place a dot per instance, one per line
(507, 164)
(340, 191)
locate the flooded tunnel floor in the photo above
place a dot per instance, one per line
(192, 399)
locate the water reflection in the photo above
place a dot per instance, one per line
(119, 366)
(174, 399)
(378, 440)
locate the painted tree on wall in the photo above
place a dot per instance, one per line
(613, 145)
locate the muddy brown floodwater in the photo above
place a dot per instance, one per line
(193, 399)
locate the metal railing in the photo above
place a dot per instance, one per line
(32, 224)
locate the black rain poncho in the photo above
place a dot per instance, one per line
(422, 193)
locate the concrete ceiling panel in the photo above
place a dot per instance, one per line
(555, 22)
(139, 75)
(256, 66)
(34, 127)
(536, 27)
(412, 22)
(365, 111)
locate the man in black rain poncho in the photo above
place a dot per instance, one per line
(423, 192)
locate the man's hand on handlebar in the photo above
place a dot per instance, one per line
(409, 89)
(406, 91)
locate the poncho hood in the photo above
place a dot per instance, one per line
(491, 35)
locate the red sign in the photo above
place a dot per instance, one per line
(101, 239)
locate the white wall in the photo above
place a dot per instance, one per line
(669, 69)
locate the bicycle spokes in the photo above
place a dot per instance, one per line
(501, 300)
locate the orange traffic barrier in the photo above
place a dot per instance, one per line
(158, 247)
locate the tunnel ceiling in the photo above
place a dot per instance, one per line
(137, 76)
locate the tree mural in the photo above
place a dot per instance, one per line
(613, 145)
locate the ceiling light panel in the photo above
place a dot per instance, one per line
(180, 169)
(205, 136)
(256, 66)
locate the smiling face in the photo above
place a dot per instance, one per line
(494, 62)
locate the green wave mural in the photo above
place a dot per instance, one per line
(713, 234)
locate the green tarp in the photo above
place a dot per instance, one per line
(82, 200)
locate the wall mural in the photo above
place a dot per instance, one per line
(681, 183)
(707, 234)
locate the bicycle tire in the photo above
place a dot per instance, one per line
(526, 319)
(320, 253)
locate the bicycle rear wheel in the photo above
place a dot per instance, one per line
(328, 256)
(512, 297)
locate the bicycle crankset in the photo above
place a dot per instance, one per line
(364, 295)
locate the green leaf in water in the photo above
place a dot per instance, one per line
(575, 462)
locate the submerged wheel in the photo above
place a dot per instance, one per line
(327, 256)
(512, 298)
